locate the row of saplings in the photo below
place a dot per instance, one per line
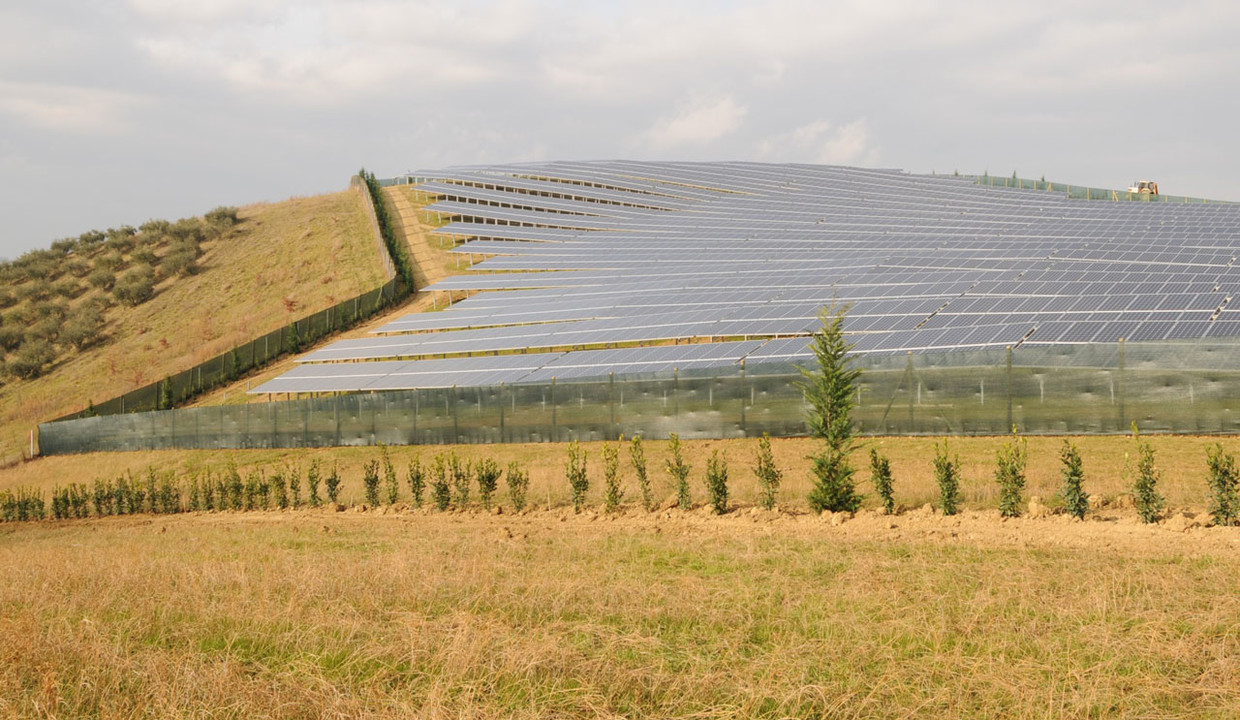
(448, 482)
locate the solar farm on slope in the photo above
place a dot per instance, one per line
(634, 268)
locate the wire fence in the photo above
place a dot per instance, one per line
(1071, 389)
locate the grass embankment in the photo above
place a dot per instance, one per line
(431, 262)
(317, 614)
(283, 260)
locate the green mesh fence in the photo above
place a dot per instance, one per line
(1078, 389)
(229, 366)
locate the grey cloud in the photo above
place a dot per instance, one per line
(169, 108)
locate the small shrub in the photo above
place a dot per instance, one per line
(135, 286)
(313, 479)
(441, 492)
(195, 495)
(880, 476)
(1145, 489)
(102, 278)
(101, 498)
(332, 483)
(518, 485)
(222, 218)
(370, 481)
(1075, 501)
(279, 488)
(11, 338)
(181, 260)
(717, 482)
(208, 492)
(1010, 463)
(137, 496)
(679, 471)
(613, 494)
(68, 288)
(31, 359)
(769, 476)
(417, 480)
(575, 473)
(637, 455)
(462, 476)
(947, 475)
(390, 484)
(152, 490)
(84, 328)
(145, 255)
(1223, 486)
(264, 490)
(294, 485)
(236, 490)
(169, 495)
(488, 472)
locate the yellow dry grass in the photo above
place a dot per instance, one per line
(283, 260)
(343, 615)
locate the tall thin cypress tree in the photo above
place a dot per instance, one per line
(829, 390)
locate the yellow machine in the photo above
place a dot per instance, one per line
(1144, 187)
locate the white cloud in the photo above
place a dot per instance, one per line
(820, 142)
(329, 53)
(204, 11)
(69, 109)
(698, 121)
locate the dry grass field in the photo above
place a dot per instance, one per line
(282, 261)
(398, 612)
(348, 615)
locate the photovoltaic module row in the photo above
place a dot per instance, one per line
(578, 256)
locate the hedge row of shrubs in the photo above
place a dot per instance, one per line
(449, 482)
(397, 249)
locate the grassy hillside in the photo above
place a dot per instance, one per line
(468, 615)
(279, 261)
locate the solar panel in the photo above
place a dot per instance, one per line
(630, 252)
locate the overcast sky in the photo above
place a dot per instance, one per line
(117, 112)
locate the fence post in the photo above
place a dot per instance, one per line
(912, 391)
(456, 427)
(1119, 388)
(501, 413)
(744, 429)
(554, 431)
(611, 402)
(1010, 425)
(675, 392)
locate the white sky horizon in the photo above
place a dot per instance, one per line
(117, 112)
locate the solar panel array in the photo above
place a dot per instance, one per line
(583, 256)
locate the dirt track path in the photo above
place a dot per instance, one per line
(428, 259)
